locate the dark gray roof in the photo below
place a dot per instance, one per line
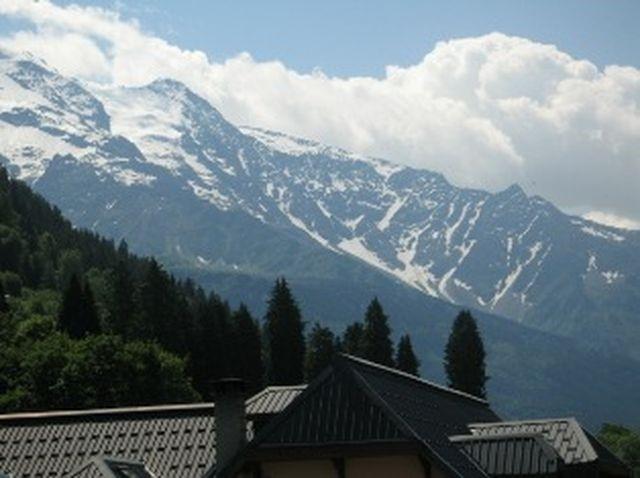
(175, 440)
(172, 440)
(526, 454)
(565, 435)
(110, 467)
(356, 402)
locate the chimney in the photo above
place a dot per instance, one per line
(229, 414)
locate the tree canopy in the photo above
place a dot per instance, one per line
(464, 359)
(284, 335)
(406, 359)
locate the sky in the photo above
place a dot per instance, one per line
(542, 93)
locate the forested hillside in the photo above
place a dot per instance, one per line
(84, 323)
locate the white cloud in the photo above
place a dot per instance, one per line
(485, 111)
(612, 220)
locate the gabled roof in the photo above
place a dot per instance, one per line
(358, 403)
(513, 454)
(565, 435)
(172, 440)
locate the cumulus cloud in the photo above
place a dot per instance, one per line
(486, 111)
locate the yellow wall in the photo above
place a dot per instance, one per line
(299, 469)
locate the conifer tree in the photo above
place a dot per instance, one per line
(377, 345)
(3, 300)
(284, 337)
(158, 316)
(321, 350)
(352, 340)
(406, 359)
(121, 304)
(248, 362)
(77, 316)
(465, 357)
(90, 319)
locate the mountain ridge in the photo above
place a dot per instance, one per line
(505, 253)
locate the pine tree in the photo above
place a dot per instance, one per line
(159, 315)
(121, 304)
(406, 359)
(377, 345)
(91, 321)
(3, 300)
(284, 337)
(248, 363)
(352, 340)
(465, 357)
(77, 316)
(321, 350)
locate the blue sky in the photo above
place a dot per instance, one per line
(361, 37)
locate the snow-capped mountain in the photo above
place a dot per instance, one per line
(161, 147)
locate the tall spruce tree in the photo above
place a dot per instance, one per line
(77, 315)
(464, 360)
(406, 359)
(89, 311)
(353, 339)
(121, 303)
(248, 363)
(284, 337)
(321, 350)
(159, 317)
(377, 345)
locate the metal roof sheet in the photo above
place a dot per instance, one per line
(359, 402)
(273, 399)
(565, 435)
(172, 440)
(514, 454)
(110, 467)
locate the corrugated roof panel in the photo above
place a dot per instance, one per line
(565, 435)
(176, 438)
(510, 454)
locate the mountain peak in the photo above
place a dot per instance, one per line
(168, 85)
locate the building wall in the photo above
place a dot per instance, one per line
(384, 467)
(299, 469)
(405, 466)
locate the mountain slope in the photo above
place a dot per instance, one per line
(234, 208)
(504, 253)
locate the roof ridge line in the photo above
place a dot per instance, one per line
(368, 390)
(104, 411)
(520, 422)
(424, 381)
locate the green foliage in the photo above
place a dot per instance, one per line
(4, 305)
(12, 283)
(78, 316)
(352, 340)
(465, 357)
(376, 343)
(625, 443)
(247, 349)
(321, 350)
(406, 359)
(59, 372)
(284, 331)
